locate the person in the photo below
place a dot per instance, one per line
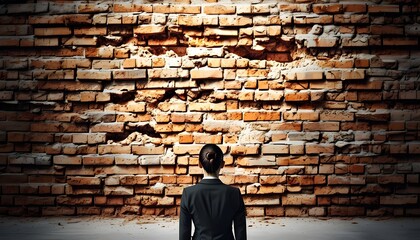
(212, 205)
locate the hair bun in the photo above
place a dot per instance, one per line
(211, 156)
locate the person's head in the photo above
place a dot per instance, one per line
(211, 158)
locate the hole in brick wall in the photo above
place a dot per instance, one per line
(169, 94)
(269, 51)
(112, 40)
(117, 137)
(202, 94)
(133, 132)
(123, 97)
(160, 50)
(14, 106)
(145, 129)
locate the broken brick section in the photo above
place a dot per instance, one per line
(105, 105)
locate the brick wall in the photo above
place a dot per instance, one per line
(105, 105)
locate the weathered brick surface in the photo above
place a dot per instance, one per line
(105, 105)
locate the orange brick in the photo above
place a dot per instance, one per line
(114, 149)
(207, 138)
(261, 116)
(189, 20)
(301, 115)
(147, 150)
(296, 96)
(327, 8)
(235, 21)
(149, 29)
(97, 160)
(321, 126)
(171, 41)
(336, 115)
(219, 9)
(108, 127)
(299, 199)
(132, 7)
(319, 148)
(93, 75)
(206, 73)
(244, 149)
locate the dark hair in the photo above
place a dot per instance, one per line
(211, 156)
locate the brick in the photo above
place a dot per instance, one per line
(205, 138)
(296, 96)
(346, 211)
(80, 41)
(118, 191)
(170, 41)
(399, 200)
(97, 160)
(206, 73)
(210, 31)
(235, 21)
(108, 127)
(34, 200)
(301, 115)
(260, 200)
(261, 116)
(275, 149)
(147, 150)
(164, 73)
(396, 41)
(219, 9)
(321, 126)
(244, 149)
(129, 74)
(383, 8)
(149, 29)
(207, 106)
(319, 148)
(256, 161)
(329, 190)
(52, 31)
(67, 160)
(268, 95)
(336, 115)
(13, 178)
(298, 199)
(268, 180)
(132, 7)
(327, 8)
(257, 189)
(188, 20)
(81, 181)
(93, 75)
(44, 42)
(354, 7)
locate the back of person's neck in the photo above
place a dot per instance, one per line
(210, 175)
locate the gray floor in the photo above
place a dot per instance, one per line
(145, 228)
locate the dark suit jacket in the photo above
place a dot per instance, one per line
(212, 206)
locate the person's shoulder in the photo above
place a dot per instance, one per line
(232, 188)
(190, 188)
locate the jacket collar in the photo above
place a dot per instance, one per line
(211, 181)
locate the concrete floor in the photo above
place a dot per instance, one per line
(144, 228)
